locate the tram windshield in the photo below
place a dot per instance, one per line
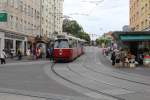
(61, 44)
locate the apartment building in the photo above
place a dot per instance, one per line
(23, 17)
(140, 15)
(58, 15)
(27, 19)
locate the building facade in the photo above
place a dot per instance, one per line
(58, 16)
(22, 21)
(139, 15)
(52, 17)
(27, 19)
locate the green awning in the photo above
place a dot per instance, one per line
(135, 37)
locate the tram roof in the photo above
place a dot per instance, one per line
(69, 37)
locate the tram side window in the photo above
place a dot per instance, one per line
(75, 43)
(71, 43)
(80, 44)
(56, 45)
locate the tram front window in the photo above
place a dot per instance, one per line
(61, 44)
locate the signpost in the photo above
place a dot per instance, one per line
(3, 17)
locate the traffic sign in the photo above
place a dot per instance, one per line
(3, 17)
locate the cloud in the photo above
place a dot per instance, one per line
(109, 15)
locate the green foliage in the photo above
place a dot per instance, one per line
(72, 27)
(103, 40)
(84, 36)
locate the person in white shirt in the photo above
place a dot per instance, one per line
(3, 56)
(28, 53)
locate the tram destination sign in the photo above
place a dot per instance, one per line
(3, 17)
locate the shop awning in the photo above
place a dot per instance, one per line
(135, 37)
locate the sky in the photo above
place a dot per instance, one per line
(98, 16)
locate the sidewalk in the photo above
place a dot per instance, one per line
(108, 58)
(24, 59)
(140, 69)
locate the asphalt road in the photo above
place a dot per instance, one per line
(89, 77)
(98, 79)
(29, 78)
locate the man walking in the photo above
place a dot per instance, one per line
(3, 56)
(19, 54)
(51, 50)
(113, 58)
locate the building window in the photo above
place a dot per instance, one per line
(21, 6)
(142, 25)
(16, 23)
(11, 21)
(32, 11)
(146, 23)
(12, 3)
(25, 8)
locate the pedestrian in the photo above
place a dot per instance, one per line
(34, 53)
(122, 57)
(42, 52)
(113, 58)
(3, 56)
(117, 54)
(38, 53)
(51, 51)
(19, 54)
(12, 53)
(141, 58)
(48, 52)
(28, 53)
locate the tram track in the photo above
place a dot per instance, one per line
(124, 79)
(99, 81)
(113, 76)
(29, 95)
(82, 86)
(94, 60)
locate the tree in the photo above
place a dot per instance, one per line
(85, 36)
(103, 40)
(73, 27)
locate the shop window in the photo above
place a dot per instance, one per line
(8, 45)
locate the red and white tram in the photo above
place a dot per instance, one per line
(67, 48)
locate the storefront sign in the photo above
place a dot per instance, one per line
(3, 17)
(14, 36)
